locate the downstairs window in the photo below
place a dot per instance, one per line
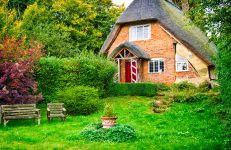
(156, 65)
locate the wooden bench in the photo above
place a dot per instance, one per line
(56, 110)
(19, 111)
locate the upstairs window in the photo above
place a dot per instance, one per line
(141, 32)
(181, 64)
(156, 65)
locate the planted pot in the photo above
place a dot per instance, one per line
(108, 122)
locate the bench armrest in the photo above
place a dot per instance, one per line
(64, 111)
(37, 111)
(48, 110)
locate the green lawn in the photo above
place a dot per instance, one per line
(181, 127)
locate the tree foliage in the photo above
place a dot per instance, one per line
(214, 17)
(16, 72)
(64, 27)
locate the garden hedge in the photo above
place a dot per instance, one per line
(54, 74)
(134, 89)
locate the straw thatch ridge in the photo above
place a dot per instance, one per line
(133, 48)
(172, 19)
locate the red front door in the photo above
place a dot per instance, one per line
(128, 72)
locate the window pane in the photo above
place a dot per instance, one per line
(161, 66)
(151, 67)
(140, 32)
(146, 32)
(132, 33)
(156, 66)
(184, 66)
(178, 66)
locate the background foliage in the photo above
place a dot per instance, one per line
(214, 17)
(64, 27)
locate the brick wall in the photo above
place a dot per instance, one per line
(159, 46)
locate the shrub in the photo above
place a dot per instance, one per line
(118, 133)
(17, 60)
(184, 86)
(55, 74)
(204, 86)
(134, 89)
(80, 100)
(108, 111)
(197, 97)
(183, 97)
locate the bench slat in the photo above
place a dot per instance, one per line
(19, 113)
(56, 112)
(18, 105)
(18, 108)
(21, 110)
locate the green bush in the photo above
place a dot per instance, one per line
(118, 133)
(55, 74)
(80, 100)
(183, 97)
(184, 86)
(204, 86)
(134, 89)
(224, 69)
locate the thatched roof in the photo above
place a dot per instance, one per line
(172, 19)
(136, 50)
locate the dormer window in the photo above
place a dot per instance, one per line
(141, 32)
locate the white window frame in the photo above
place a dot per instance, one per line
(159, 70)
(181, 70)
(131, 36)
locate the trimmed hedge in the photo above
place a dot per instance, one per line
(54, 74)
(134, 89)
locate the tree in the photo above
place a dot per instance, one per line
(184, 4)
(214, 17)
(64, 27)
(16, 72)
(19, 5)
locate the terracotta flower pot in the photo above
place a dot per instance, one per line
(108, 122)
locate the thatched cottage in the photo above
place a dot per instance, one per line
(153, 41)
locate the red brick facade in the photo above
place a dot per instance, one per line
(160, 45)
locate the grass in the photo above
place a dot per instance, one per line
(181, 127)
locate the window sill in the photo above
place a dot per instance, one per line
(139, 40)
(156, 72)
(182, 70)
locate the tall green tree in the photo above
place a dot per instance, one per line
(214, 16)
(64, 27)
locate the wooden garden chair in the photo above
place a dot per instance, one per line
(56, 110)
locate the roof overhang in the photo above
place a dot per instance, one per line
(133, 48)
